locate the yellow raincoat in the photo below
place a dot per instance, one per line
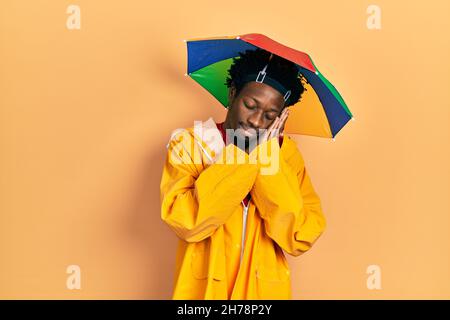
(228, 250)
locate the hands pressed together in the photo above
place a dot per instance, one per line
(276, 128)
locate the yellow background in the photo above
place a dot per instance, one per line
(85, 116)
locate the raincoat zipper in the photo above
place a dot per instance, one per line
(244, 226)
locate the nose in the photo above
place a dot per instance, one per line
(255, 120)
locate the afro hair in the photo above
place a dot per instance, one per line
(284, 71)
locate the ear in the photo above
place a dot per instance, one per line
(231, 94)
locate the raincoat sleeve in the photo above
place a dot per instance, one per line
(195, 202)
(288, 203)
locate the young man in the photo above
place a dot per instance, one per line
(235, 219)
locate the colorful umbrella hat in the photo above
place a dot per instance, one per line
(321, 112)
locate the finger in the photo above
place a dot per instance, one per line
(271, 127)
(274, 123)
(275, 130)
(283, 121)
(279, 126)
(285, 114)
(275, 127)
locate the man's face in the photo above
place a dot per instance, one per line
(256, 107)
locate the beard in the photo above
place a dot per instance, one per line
(246, 142)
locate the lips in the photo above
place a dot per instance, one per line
(247, 131)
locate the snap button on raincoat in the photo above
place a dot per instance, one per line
(229, 250)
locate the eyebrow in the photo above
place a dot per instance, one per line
(271, 110)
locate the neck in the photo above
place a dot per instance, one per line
(226, 125)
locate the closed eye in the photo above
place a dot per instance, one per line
(249, 107)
